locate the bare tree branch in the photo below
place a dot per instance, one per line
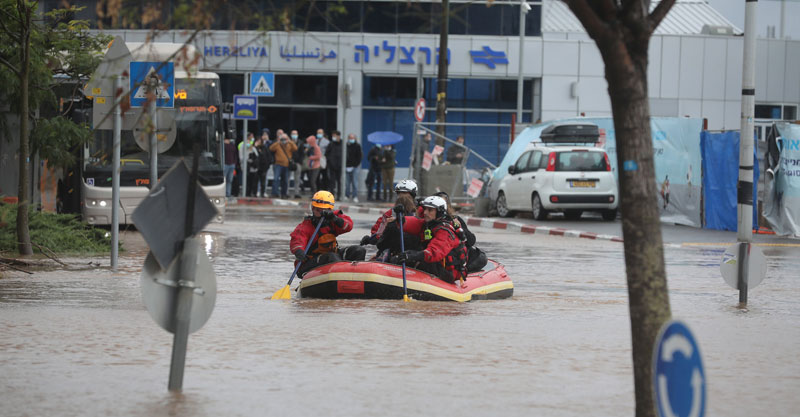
(659, 13)
(587, 15)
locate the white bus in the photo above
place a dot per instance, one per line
(198, 118)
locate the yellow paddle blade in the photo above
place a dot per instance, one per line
(405, 298)
(284, 293)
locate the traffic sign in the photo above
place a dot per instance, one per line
(159, 287)
(419, 110)
(115, 63)
(245, 107)
(262, 84)
(756, 266)
(141, 72)
(678, 375)
(160, 217)
(166, 130)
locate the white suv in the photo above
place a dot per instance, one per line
(549, 177)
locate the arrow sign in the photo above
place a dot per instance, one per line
(678, 375)
(141, 73)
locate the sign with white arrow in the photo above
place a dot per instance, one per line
(679, 381)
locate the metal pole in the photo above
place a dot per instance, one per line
(117, 135)
(185, 289)
(342, 140)
(783, 17)
(522, 11)
(245, 144)
(745, 184)
(152, 86)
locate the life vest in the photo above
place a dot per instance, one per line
(325, 242)
(455, 262)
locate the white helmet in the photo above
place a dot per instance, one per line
(406, 186)
(435, 202)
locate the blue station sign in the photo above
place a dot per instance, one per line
(245, 107)
(262, 84)
(679, 381)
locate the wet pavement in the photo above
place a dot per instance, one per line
(79, 342)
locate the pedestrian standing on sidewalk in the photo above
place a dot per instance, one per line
(387, 171)
(354, 156)
(334, 157)
(283, 150)
(264, 162)
(374, 174)
(323, 142)
(314, 154)
(298, 163)
(231, 160)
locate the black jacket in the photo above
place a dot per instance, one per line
(334, 155)
(374, 157)
(354, 154)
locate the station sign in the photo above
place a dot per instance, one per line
(245, 107)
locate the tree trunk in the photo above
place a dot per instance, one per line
(23, 234)
(648, 298)
(441, 81)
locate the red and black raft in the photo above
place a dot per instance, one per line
(378, 280)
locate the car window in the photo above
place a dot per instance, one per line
(580, 161)
(522, 162)
(535, 161)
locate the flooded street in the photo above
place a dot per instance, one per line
(79, 342)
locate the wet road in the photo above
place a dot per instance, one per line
(79, 342)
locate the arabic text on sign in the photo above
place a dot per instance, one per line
(317, 54)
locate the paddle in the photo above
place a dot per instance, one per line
(285, 292)
(400, 218)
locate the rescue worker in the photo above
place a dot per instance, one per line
(324, 248)
(476, 258)
(406, 193)
(442, 251)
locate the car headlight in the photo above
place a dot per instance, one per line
(103, 203)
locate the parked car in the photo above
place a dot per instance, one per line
(554, 176)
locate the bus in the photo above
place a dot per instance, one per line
(198, 118)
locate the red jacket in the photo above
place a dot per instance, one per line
(380, 224)
(442, 240)
(302, 233)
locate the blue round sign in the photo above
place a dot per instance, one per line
(679, 380)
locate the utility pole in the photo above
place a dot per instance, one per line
(744, 187)
(441, 81)
(523, 10)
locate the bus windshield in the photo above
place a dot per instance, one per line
(197, 117)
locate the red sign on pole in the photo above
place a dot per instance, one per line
(419, 110)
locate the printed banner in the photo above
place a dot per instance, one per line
(782, 184)
(427, 160)
(475, 187)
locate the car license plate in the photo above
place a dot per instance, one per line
(581, 184)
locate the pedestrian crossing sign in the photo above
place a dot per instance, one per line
(262, 84)
(163, 72)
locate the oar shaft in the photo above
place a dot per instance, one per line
(403, 249)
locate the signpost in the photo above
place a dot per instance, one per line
(108, 87)
(756, 266)
(168, 218)
(245, 107)
(678, 375)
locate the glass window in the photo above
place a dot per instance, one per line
(414, 17)
(457, 25)
(580, 161)
(380, 17)
(533, 21)
(522, 162)
(767, 111)
(485, 18)
(344, 16)
(310, 16)
(535, 162)
(789, 112)
(390, 91)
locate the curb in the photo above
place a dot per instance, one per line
(504, 225)
(471, 221)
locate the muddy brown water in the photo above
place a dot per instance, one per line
(79, 342)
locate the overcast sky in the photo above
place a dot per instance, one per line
(768, 14)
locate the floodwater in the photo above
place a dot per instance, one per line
(79, 342)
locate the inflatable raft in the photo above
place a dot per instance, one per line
(380, 280)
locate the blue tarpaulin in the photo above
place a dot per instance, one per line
(720, 153)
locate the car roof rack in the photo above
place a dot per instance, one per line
(570, 133)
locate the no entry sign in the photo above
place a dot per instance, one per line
(419, 110)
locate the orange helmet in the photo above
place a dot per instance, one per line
(322, 199)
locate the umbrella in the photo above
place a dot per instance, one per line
(384, 138)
